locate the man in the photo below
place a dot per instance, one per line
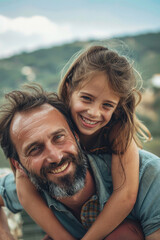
(36, 133)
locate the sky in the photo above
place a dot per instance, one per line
(27, 25)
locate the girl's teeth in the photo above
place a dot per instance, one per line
(60, 169)
(88, 121)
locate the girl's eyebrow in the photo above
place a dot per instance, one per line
(87, 94)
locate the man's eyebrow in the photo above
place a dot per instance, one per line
(59, 131)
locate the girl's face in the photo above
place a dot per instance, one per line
(93, 104)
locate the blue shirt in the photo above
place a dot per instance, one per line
(146, 209)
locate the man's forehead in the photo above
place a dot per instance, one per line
(40, 113)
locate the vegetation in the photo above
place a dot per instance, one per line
(44, 66)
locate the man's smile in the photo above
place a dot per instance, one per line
(60, 169)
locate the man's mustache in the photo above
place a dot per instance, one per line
(52, 166)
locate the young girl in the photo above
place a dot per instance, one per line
(100, 90)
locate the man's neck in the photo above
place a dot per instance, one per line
(76, 202)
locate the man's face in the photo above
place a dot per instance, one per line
(48, 151)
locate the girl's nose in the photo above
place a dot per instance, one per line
(94, 111)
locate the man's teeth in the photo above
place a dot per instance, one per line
(88, 121)
(60, 169)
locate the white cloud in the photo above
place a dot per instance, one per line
(33, 25)
(30, 33)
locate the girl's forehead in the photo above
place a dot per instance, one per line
(86, 78)
(94, 77)
(97, 82)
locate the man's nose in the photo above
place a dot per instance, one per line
(53, 154)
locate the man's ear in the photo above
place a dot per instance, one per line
(15, 163)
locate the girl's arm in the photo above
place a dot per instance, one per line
(123, 198)
(38, 210)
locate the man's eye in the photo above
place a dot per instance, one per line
(59, 138)
(34, 151)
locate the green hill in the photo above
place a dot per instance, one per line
(44, 65)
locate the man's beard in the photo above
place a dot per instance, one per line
(67, 185)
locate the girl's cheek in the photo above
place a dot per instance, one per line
(78, 106)
(110, 116)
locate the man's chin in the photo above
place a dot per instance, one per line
(62, 192)
(62, 187)
(68, 185)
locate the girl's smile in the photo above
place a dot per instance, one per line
(93, 104)
(88, 122)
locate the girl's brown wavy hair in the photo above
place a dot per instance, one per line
(125, 82)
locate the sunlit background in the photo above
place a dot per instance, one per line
(38, 37)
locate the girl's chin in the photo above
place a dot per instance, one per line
(88, 134)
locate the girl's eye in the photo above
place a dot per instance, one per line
(86, 98)
(108, 105)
